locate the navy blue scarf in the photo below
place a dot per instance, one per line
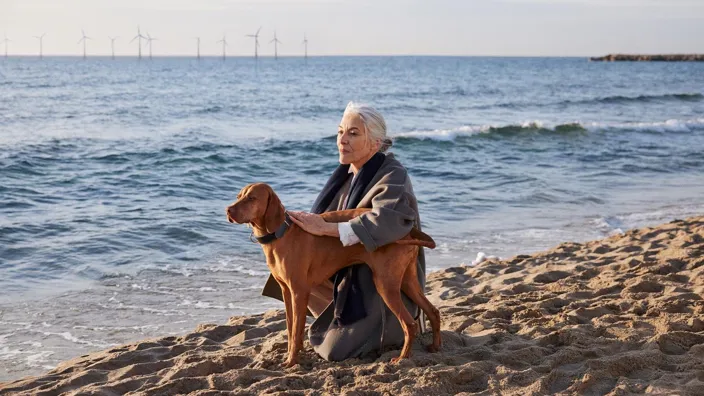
(347, 295)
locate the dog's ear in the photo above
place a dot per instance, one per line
(274, 214)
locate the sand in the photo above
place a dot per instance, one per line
(619, 316)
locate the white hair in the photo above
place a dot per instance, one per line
(373, 121)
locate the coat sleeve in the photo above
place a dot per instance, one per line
(391, 217)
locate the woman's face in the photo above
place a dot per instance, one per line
(353, 142)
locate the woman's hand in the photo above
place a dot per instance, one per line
(314, 224)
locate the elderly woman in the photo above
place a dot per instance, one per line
(351, 318)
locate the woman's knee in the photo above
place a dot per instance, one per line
(336, 352)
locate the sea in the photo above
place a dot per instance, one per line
(115, 175)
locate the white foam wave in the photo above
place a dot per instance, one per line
(71, 338)
(481, 257)
(618, 223)
(127, 307)
(39, 359)
(609, 225)
(32, 359)
(470, 130)
(445, 134)
(665, 126)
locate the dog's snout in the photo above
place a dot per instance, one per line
(230, 211)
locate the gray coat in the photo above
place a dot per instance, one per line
(394, 212)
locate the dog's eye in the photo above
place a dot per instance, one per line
(251, 198)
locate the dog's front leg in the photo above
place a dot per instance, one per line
(300, 306)
(286, 292)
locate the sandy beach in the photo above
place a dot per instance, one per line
(622, 315)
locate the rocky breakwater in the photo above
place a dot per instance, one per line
(649, 58)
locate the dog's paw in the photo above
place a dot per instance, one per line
(432, 348)
(290, 362)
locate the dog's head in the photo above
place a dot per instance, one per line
(257, 205)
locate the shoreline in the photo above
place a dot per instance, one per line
(620, 314)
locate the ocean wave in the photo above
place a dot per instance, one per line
(410, 94)
(686, 97)
(613, 99)
(210, 109)
(657, 127)
(624, 99)
(544, 127)
(43, 85)
(470, 130)
(222, 152)
(294, 109)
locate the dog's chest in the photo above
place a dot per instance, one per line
(281, 266)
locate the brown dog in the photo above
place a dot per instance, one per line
(299, 261)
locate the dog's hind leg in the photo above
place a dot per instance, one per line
(412, 288)
(389, 288)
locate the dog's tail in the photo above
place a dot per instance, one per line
(341, 216)
(418, 238)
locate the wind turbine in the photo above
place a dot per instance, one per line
(139, 38)
(5, 41)
(41, 45)
(256, 42)
(83, 39)
(276, 41)
(198, 48)
(112, 45)
(224, 45)
(149, 42)
(305, 43)
(276, 47)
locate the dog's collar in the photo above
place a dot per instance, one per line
(279, 233)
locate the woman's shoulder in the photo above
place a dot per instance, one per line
(390, 162)
(392, 168)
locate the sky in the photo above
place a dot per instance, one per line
(361, 27)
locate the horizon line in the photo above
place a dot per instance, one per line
(219, 56)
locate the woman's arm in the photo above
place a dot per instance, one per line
(314, 224)
(347, 235)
